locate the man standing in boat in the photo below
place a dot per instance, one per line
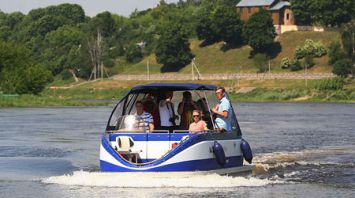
(222, 111)
(167, 113)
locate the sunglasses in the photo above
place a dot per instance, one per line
(196, 116)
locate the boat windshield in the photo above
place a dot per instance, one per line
(131, 123)
(203, 100)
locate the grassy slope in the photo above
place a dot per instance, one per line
(211, 59)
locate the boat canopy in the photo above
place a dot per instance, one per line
(171, 87)
(202, 95)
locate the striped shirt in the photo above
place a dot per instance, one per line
(146, 119)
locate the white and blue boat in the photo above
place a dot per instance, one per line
(126, 148)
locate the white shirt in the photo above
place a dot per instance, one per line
(165, 112)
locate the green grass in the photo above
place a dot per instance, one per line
(107, 91)
(211, 59)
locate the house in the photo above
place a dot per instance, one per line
(280, 10)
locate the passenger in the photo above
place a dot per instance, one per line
(222, 111)
(147, 118)
(185, 109)
(167, 113)
(198, 125)
(205, 115)
(148, 104)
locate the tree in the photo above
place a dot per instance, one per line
(259, 31)
(173, 48)
(228, 25)
(334, 12)
(72, 13)
(19, 73)
(62, 49)
(104, 23)
(204, 27)
(327, 13)
(303, 10)
(348, 40)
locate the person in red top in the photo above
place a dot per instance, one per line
(198, 125)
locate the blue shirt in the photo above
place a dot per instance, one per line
(222, 122)
(147, 119)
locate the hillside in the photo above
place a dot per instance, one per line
(211, 59)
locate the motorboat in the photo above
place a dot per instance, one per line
(125, 147)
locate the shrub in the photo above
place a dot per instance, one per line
(331, 84)
(335, 53)
(299, 53)
(308, 62)
(296, 65)
(35, 79)
(109, 63)
(285, 63)
(133, 53)
(310, 48)
(261, 61)
(66, 75)
(343, 67)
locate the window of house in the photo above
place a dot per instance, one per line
(287, 16)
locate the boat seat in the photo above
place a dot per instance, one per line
(124, 143)
(125, 146)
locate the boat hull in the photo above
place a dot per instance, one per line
(194, 154)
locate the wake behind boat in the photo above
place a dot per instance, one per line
(131, 145)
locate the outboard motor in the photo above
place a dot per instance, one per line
(219, 153)
(246, 150)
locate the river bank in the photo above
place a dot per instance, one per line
(103, 93)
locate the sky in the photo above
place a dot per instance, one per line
(91, 7)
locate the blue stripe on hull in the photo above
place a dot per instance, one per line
(195, 165)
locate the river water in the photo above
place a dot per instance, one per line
(301, 150)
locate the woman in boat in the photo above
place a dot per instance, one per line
(198, 125)
(185, 108)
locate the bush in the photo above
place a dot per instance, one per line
(66, 75)
(285, 63)
(109, 63)
(343, 67)
(295, 65)
(308, 62)
(335, 53)
(261, 61)
(133, 54)
(310, 48)
(331, 84)
(35, 79)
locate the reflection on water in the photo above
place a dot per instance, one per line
(302, 150)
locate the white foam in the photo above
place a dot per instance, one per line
(305, 157)
(155, 180)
